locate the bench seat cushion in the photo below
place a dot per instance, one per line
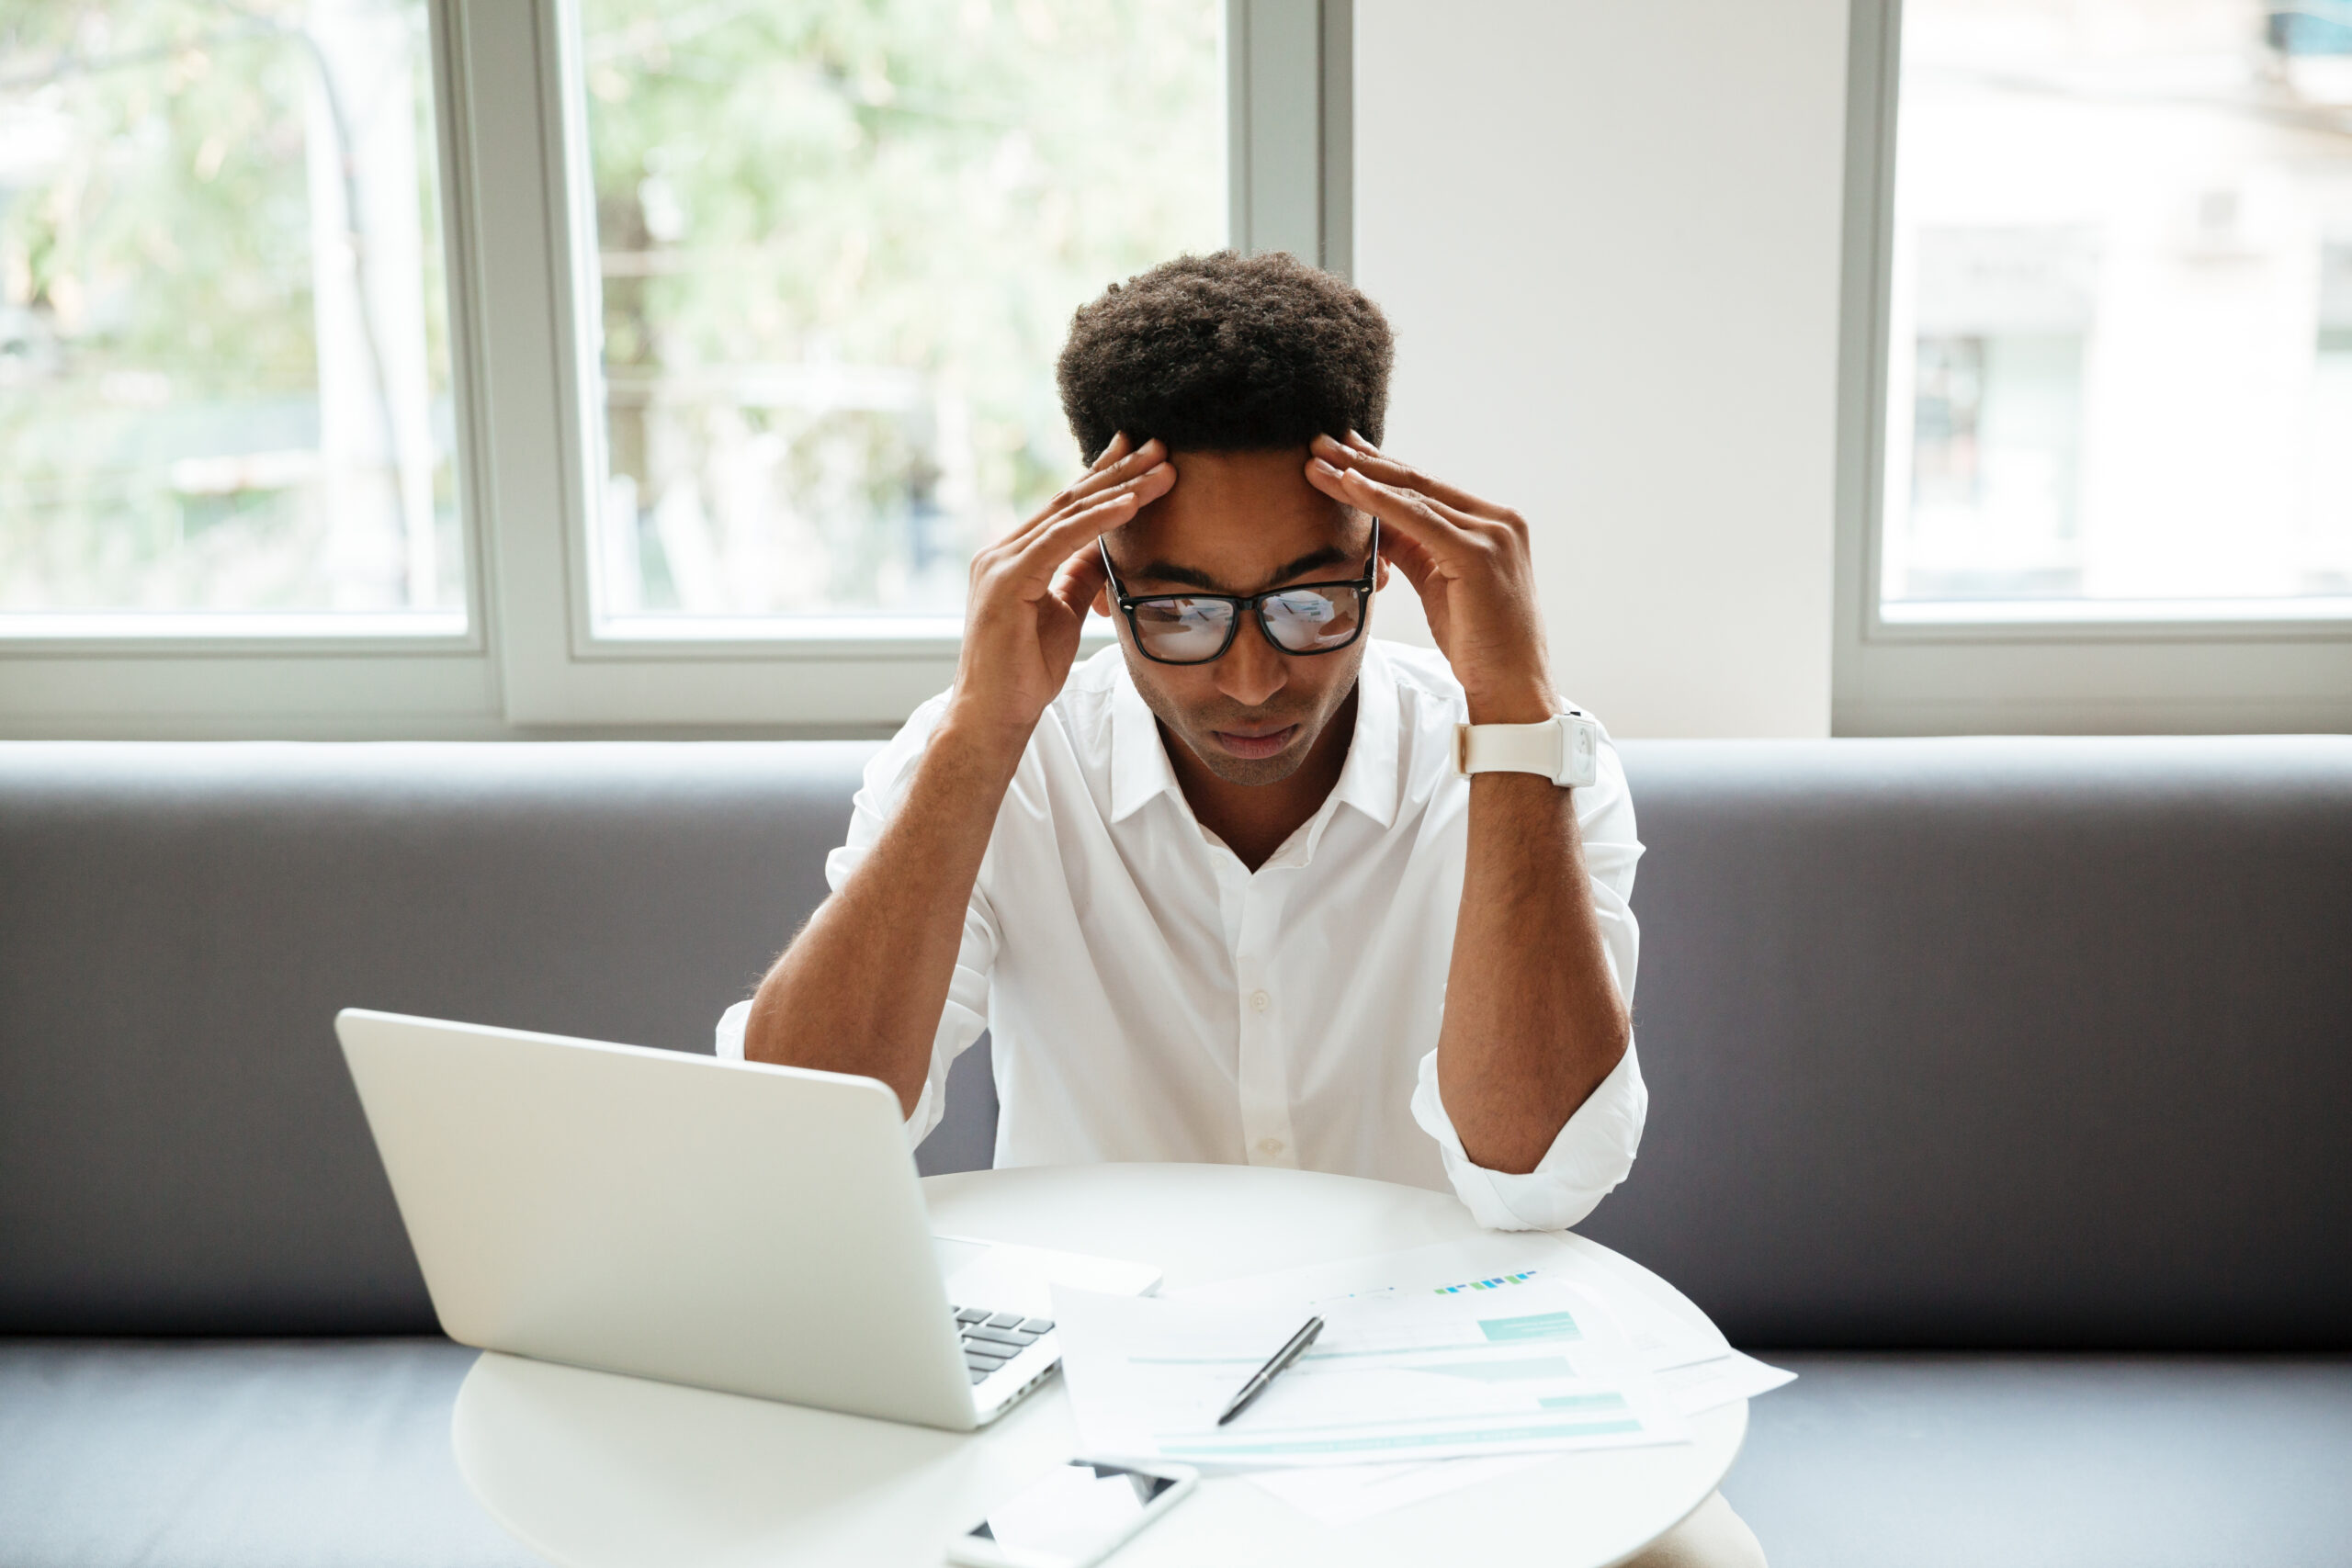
(1960, 1460)
(328, 1453)
(208, 1454)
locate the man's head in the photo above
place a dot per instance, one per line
(1234, 364)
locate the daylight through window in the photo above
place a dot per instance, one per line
(224, 385)
(2120, 378)
(840, 242)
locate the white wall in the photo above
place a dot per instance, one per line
(1607, 232)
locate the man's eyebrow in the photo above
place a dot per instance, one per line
(1168, 572)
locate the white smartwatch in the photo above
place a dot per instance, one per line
(1564, 748)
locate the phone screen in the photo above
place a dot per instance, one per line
(1070, 1513)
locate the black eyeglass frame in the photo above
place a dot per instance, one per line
(1248, 605)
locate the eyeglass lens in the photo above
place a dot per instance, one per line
(1309, 619)
(1303, 620)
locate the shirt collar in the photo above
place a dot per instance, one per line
(1140, 769)
(1139, 765)
(1368, 780)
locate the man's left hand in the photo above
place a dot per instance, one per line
(1468, 560)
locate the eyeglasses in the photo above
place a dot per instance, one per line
(1196, 628)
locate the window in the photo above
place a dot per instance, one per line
(838, 243)
(417, 367)
(2094, 456)
(225, 396)
(2119, 312)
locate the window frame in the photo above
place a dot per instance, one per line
(2101, 672)
(518, 234)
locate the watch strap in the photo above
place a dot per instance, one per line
(1564, 748)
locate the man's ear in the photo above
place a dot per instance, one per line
(1380, 573)
(1103, 601)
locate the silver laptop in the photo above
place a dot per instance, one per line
(731, 1225)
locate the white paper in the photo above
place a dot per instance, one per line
(1703, 1385)
(1345, 1494)
(1690, 1358)
(1401, 1371)
(1647, 1316)
(1340, 1494)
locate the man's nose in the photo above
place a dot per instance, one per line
(1253, 670)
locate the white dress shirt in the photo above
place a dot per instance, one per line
(1151, 999)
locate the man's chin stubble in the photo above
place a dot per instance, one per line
(1252, 769)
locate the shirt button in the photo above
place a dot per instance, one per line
(1269, 1145)
(1259, 1002)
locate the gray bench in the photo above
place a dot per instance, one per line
(2001, 1086)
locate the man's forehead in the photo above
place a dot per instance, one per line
(1240, 535)
(1246, 554)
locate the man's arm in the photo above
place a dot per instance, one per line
(1533, 1021)
(861, 987)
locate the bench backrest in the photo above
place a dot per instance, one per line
(1962, 1042)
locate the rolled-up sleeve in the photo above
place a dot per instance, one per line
(966, 1014)
(1590, 1154)
(1594, 1149)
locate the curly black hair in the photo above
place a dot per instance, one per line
(1226, 352)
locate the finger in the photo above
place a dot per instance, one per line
(1420, 517)
(1331, 478)
(1326, 478)
(1367, 457)
(1353, 442)
(1103, 468)
(1107, 473)
(1439, 530)
(1050, 547)
(1406, 554)
(1333, 481)
(1080, 578)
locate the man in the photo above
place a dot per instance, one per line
(1220, 892)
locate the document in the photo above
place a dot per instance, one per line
(1702, 1385)
(1627, 1311)
(1344, 1493)
(1401, 1371)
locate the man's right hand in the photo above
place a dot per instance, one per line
(1030, 592)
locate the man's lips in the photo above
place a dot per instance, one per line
(1256, 746)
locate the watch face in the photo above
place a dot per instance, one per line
(1583, 751)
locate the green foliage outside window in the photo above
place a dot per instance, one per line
(159, 358)
(840, 242)
(891, 207)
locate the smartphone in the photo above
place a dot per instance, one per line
(1072, 1517)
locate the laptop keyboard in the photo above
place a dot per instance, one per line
(992, 1339)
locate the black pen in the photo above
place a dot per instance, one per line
(1272, 1369)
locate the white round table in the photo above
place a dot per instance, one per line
(597, 1471)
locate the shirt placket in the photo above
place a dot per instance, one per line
(1264, 1057)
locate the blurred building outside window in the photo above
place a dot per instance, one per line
(839, 245)
(2120, 378)
(225, 397)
